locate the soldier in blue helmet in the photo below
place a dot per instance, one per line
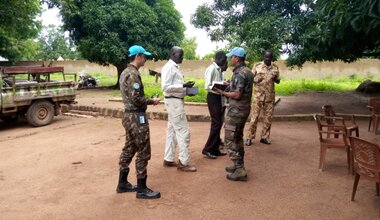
(135, 122)
(239, 94)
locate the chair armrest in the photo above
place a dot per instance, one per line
(342, 115)
(332, 132)
(335, 127)
(351, 117)
(333, 119)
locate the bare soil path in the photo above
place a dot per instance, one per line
(69, 170)
(302, 103)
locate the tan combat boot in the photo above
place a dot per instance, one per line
(230, 169)
(238, 175)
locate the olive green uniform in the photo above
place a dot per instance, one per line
(135, 122)
(237, 113)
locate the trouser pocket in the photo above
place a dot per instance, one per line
(230, 132)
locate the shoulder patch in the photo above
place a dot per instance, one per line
(136, 86)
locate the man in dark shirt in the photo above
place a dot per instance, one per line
(215, 103)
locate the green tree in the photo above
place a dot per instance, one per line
(344, 30)
(17, 26)
(29, 50)
(189, 46)
(103, 30)
(209, 56)
(307, 30)
(256, 25)
(53, 44)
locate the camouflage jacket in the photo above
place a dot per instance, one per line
(242, 81)
(264, 78)
(132, 90)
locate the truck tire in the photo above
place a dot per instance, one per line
(40, 113)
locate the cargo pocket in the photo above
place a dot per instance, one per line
(142, 135)
(233, 112)
(230, 132)
(236, 114)
(143, 143)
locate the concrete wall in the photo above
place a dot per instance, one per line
(334, 69)
(197, 68)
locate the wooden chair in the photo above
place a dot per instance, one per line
(373, 107)
(351, 126)
(367, 162)
(339, 140)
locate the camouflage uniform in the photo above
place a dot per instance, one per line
(237, 114)
(264, 78)
(135, 122)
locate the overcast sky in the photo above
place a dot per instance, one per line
(185, 7)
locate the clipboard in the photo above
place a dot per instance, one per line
(219, 85)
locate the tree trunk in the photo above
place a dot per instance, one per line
(120, 68)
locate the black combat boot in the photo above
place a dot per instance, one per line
(143, 192)
(124, 185)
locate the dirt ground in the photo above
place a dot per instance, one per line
(69, 170)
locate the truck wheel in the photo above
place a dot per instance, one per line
(40, 113)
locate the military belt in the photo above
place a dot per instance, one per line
(172, 97)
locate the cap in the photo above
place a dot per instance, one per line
(136, 49)
(237, 51)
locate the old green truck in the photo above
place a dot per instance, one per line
(35, 93)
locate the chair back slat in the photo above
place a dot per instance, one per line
(366, 155)
(328, 111)
(325, 130)
(319, 125)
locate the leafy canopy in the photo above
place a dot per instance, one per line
(344, 29)
(17, 25)
(53, 44)
(256, 25)
(103, 30)
(307, 30)
(189, 46)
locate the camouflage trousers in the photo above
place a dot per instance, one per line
(137, 140)
(233, 139)
(267, 112)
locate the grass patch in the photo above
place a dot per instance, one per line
(104, 79)
(287, 87)
(42, 77)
